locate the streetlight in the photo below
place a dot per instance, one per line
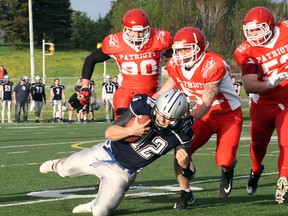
(51, 52)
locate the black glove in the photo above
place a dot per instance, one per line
(186, 123)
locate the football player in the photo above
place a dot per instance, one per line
(116, 162)
(6, 98)
(138, 51)
(204, 77)
(57, 98)
(263, 59)
(108, 91)
(38, 96)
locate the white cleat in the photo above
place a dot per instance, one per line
(282, 188)
(83, 208)
(47, 166)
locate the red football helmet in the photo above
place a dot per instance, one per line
(136, 20)
(188, 46)
(258, 19)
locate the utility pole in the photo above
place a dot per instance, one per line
(32, 59)
(51, 52)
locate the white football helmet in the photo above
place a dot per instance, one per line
(6, 76)
(172, 105)
(95, 106)
(37, 78)
(64, 108)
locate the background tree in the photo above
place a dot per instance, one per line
(52, 20)
(14, 20)
(86, 33)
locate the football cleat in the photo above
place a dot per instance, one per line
(252, 183)
(185, 199)
(282, 188)
(226, 183)
(83, 208)
(48, 166)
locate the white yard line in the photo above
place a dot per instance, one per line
(134, 191)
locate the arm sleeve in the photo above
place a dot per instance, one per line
(168, 53)
(91, 60)
(124, 118)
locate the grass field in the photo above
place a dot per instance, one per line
(23, 147)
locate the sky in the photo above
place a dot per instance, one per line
(92, 7)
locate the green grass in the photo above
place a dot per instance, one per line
(23, 147)
(64, 63)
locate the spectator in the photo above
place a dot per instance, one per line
(237, 85)
(74, 104)
(3, 72)
(115, 81)
(108, 91)
(7, 98)
(21, 94)
(38, 96)
(93, 100)
(86, 108)
(57, 98)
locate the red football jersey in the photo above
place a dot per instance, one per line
(139, 69)
(270, 59)
(211, 68)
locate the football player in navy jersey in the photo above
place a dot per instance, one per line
(116, 162)
(39, 97)
(57, 98)
(6, 98)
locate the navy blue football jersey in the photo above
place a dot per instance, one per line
(7, 90)
(139, 154)
(38, 92)
(57, 92)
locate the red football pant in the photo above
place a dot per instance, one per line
(264, 119)
(227, 127)
(124, 96)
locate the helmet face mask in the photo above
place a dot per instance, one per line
(189, 46)
(171, 105)
(136, 29)
(190, 55)
(258, 26)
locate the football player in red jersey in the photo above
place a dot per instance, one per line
(204, 77)
(138, 51)
(263, 59)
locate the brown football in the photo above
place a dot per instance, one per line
(142, 119)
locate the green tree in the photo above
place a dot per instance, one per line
(52, 20)
(86, 33)
(14, 20)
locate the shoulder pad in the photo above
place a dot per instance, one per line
(141, 105)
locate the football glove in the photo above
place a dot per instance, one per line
(186, 123)
(84, 96)
(276, 79)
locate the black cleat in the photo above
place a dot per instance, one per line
(252, 183)
(226, 183)
(185, 199)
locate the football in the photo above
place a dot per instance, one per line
(142, 119)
